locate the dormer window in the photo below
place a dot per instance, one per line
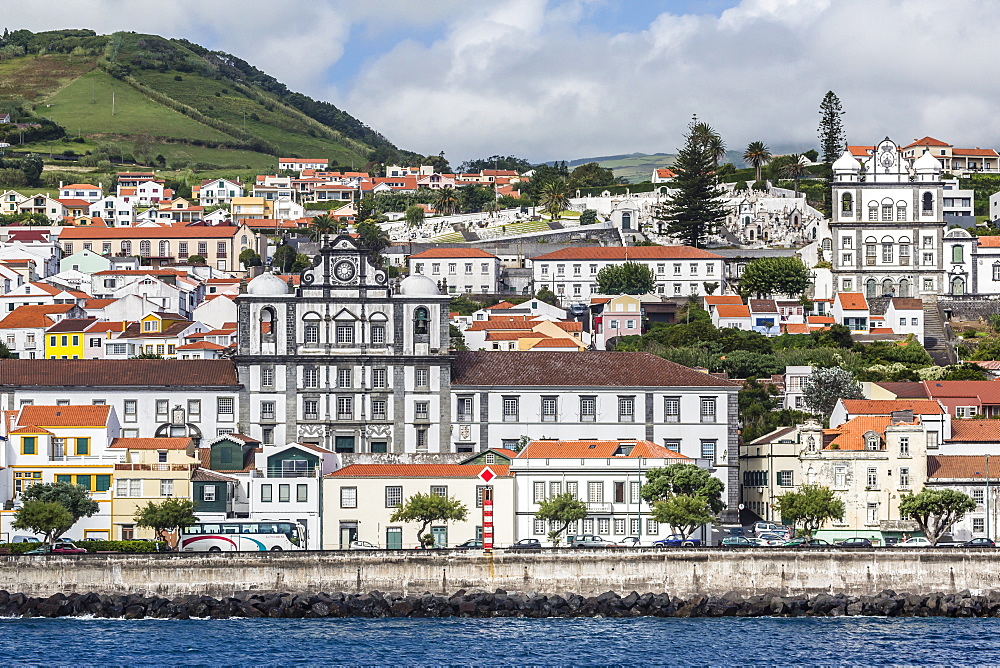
(871, 442)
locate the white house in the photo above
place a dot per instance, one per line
(82, 191)
(906, 316)
(731, 316)
(466, 270)
(299, 164)
(217, 192)
(679, 271)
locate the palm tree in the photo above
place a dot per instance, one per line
(716, 149)
(324, 225)
(374, 238)
(795, 168)
(492, 207)
(757, 154)
(555, 197)
(446, 201)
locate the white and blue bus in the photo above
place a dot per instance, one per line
(243, 537)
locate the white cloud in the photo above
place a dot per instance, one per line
(543, 78)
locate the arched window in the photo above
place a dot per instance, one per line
(164, 248)
(904, 288)
(958, 286)
(626, 221)
(144, 248)
(267, 321)
(827, 244)
(811, 442)
(126, 248)
(872, 211)
(871, 287)
(886, 211)
(750, 232)
(847, 204)
(900, 211)
(887, 287)
(421, 321)
(957, 253)
(927, 203)
(871, 442)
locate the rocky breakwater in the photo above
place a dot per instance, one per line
(479, 603)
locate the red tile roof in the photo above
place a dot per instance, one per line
(927, 141)
(587, 449)
(201, 345)
(33, 316)
(732, 311)
(565, 369)
(906, 389)
(630, 253)
(985, 152)
(763, 306)
(417, 471)
(907, 304)
(992, 241)
(452, 252)
(979, 430)
(151, 443)
(64, 416)
(886, 406)
(850, 435)
(71, 325)
(795, 328)
(852, 301)
(723, 299)
(986, 391)
(501, 305)
(179, 232)
(79, 186)
(820, 320)
(118, 373)
(556, 343)
(75, 203)
(960, 467)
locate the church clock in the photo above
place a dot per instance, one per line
(344, 270)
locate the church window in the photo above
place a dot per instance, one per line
(345, 334)
(900, 211)
(927, 203)
(310, 377)
(847, 204)
(887, 288)
(144, 248)
(827, 244)
(871, 286)
(996, 271)
(904, 288)
(846, 242)
(378, 334)
(957, 254)
(904, 253)
(886, 252)
(420, 321)
(870, 253)
(887, 212)
(958, 286)
(873, 211)
(164, 248)
(312, 332)
(267, 323)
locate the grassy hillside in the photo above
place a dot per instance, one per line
(130, 96)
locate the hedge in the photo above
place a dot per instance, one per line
(130, 546)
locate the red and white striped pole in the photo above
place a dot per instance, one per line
(488, 519)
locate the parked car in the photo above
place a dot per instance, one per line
(736, 531)
(471, 544)
(58, 548)
(588, 540)
(979, 542)
(737, 541)
(807, 542)
(361, 545)
(631, 541)
(526, 544)
(24, 539)
(854, 542)
(915, 541)
(769, 540)
(677, 540)
(769, 527)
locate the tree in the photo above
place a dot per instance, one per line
(48, 518)
(5, 353)
(628, 278)
(591, 175)
(588, 217)
(170, 516)
(283, 258)
(446, 201)
(374, 238)
(426, 509)
(414, 215)
(555, 197)
(74, 498)
(824, 387)
(936, 510)
(324, 225)
(32, 167)
(147, 356)
(794, 169)
(562, 509)
(831, 128)
(767, 277)
(249, 258)
(546, 295)
(758, 155)
(811, 505)
(683, 513)
(510, 162)
(683, 480)
(196, 259)
(694, 209)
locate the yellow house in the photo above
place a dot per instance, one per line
(48, 444)
(153, 469)
(65, 339)
(246, 208)
(158, 333)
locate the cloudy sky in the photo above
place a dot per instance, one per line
(565, 79)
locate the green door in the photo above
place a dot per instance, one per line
(440, 536)
(394, 538)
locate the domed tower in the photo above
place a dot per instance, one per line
(334, 358)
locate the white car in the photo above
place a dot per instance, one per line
(916, 541)
(362, 545)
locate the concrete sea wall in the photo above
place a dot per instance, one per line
(680, 572)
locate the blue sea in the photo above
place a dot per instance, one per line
(540, 642)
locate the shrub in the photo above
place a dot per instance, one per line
(128, 546)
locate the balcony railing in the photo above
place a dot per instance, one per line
(598, 507)
(154, 467)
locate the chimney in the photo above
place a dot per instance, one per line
(902, 417)
(60, 184)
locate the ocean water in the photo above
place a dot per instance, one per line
(541, 642)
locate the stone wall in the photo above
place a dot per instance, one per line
(681, 572)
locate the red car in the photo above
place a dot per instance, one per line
(58, 548)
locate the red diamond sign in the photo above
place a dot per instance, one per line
(486, 474)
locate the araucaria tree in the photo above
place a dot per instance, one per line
(683, 496)
(562, 510)
(171, 515)
(628, 278)
(823, 387)
(426, 509)
(758, 155)
(695, 208)
(73, 498)
(936, 510)
(768, 277)
(809, 507)
(831, 128)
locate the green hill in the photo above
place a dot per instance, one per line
(129, 96)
